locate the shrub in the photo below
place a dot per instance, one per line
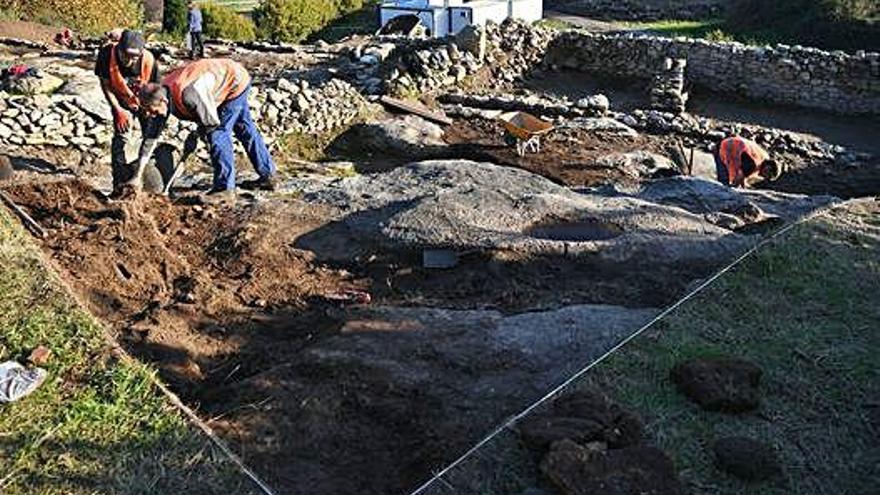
(293, 20)
(830, 24)
(719, 35)
(87, 16)
(223, 22)
(174, 16)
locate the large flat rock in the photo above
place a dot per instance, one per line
(464, 205)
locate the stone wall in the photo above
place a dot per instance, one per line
(806, 77)
(279, 108)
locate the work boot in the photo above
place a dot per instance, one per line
(261, 184)
(220, 197)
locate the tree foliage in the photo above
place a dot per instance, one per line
(174, 16)
(294, 20)
(222, 22)
(87, 16)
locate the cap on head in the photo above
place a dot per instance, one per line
(131, 42)
(771, 170)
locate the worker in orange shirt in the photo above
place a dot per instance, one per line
(124, 66)
(740, 162)
(212, 93)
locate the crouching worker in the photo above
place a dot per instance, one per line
(740, 162)
(124, 66)
(213, 93)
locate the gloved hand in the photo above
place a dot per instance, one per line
(121, 120)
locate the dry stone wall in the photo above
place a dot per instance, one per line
(806, 77)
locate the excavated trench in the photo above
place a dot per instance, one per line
(320, 394)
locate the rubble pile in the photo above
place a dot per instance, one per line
(667, 89)
(508, 50)
(515, 47)
(421, 67)
(56, 120)
(68, 120)
(298, 107)
(704, 130)
(461, 104)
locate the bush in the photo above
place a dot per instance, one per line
(174, 16)
(87, 16)
(293, 20)
(829, 24)
(222, 22)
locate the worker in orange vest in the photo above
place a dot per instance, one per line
(739, 161)
(213, 93)
(124, 66)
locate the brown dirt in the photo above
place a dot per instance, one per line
(237, 319)
(172, 279)
(567, 156)
(582, 417)
(719, 384)
(28, 31)
(576, 470)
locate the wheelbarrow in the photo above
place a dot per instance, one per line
(525, 131)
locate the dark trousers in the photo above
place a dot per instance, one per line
(198, 47)
(720, 168)
(235, 118)
(121, 169)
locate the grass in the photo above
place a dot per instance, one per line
(710, 29)
(97, 425)
(805, 309)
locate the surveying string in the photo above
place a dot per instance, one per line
(510, 422)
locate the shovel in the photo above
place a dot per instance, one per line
(189, 146)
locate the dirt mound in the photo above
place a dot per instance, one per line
(172, 278)
(583, 417)
(719, 384)
(578, 470)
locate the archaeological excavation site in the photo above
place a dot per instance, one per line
(472, 246)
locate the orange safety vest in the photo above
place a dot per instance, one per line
(731, 150)
(118, 84)
(231, 79)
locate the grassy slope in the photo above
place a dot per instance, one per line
(97, 425)
(805, 309)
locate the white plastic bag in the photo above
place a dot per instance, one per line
(16, 381)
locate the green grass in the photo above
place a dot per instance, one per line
(97, 425)
(712, 29)
(558, 24)
(804, 308)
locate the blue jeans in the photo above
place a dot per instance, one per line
(235, 117)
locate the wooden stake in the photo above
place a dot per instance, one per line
(29, 222)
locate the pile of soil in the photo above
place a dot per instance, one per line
(173, 278)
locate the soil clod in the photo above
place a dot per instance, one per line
(746, 458)
(577, 470)
(583, 417)
(719, 384)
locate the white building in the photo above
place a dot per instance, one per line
(447, 17)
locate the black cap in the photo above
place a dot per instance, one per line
(132, 42)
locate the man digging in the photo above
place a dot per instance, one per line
(124, 66)
(213, 93)
(740, 162)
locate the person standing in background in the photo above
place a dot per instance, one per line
(194, 26)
